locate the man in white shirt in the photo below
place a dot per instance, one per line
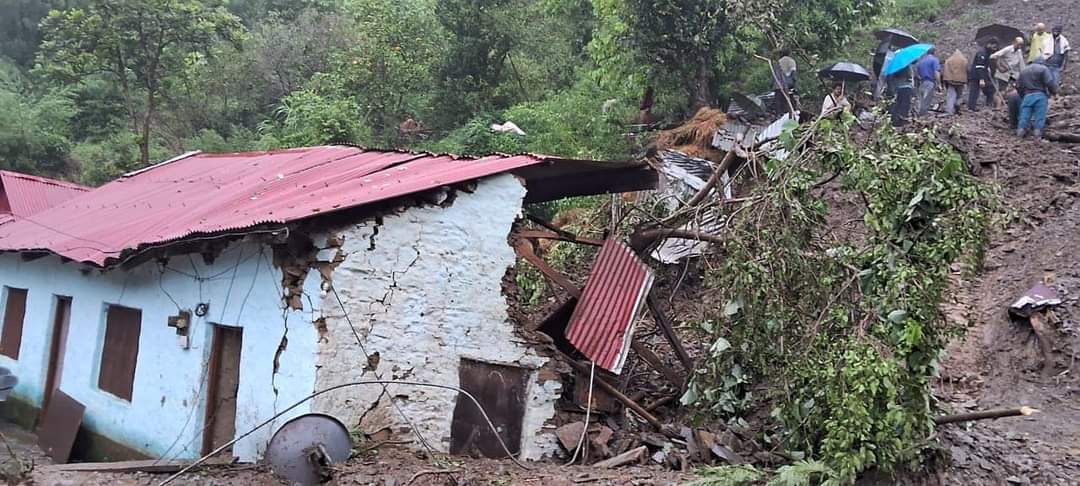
(1010, 62)
(1058, 57)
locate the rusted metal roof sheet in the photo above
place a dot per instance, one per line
(23, 195)
(202, 194)
(603, 321)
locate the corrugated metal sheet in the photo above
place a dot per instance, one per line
(603, 321)
(211, 193)
(25, 195)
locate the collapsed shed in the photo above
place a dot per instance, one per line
(184, 303)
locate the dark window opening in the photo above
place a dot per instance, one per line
(14, 312)
(120, 352)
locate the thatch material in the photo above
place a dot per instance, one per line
(698, 131)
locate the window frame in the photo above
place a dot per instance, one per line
(119, 357)
(11, 333)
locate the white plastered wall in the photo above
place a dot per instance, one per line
(167, 412)
(423, 290)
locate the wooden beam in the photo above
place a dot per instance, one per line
(632, 405)
(146, 466)
(986, 414)
(524, 249)
(668, 328)
(650, 357)
(562, 236)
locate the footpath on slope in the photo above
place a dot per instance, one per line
(998, 363)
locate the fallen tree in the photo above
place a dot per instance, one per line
(838, 331)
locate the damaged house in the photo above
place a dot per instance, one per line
(185, 303)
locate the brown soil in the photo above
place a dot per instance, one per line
(997, 364)
(393, 467)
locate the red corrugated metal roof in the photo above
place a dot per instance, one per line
(24, 195)
(603, 321)
(211, 193)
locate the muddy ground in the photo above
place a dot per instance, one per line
(998, 363)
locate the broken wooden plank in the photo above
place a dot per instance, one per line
(986, 414)
(524, 249)
(654, 361)
(632, 405)
(668, 328)
(146, 466)
(1042, 338)
(552, 235)
(629, 457)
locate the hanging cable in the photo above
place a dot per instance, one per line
(367, 357)
(384, 383)
(585, 430)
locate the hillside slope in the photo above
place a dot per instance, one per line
(998, 363)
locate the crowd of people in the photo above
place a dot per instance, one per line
(1023, 75)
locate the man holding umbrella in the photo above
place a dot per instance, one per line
(981, 76)
(899, 71)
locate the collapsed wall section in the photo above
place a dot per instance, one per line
(418, 296)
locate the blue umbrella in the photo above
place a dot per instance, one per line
(906, 57)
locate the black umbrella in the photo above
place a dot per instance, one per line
(847, 72)
(1003, 33)
(897, 37)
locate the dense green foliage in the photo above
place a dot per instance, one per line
(108, 86)
(845, 326)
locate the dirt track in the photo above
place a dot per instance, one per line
(998, 363)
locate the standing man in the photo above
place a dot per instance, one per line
(1039, 41)
(929, 69)
(1038, 85)
(784, 84)
(905, 86)
(955, 77)
(1059, 54)
(981, 76)
(1010, 61)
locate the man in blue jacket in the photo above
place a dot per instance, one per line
(1038, 85)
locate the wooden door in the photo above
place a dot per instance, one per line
(501, 392)
(224, 381)
(57, 347)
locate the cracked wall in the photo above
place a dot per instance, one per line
(422, 290)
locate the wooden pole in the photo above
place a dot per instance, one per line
(632, 405)
(986, 414)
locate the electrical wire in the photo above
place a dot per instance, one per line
(384, 383)
(585, 430)
(385, 391)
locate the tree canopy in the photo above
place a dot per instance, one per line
(115, 85)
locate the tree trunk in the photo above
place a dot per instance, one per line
(702, 85)
(144, 138)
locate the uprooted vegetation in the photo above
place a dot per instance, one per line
(833, 334)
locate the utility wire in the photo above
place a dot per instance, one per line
(385, 391)
(585, 429)
(384, 383)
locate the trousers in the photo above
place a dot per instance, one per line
(1033, 111)
(973, 94)
(926, 95)
(954, 93)
(901, 106)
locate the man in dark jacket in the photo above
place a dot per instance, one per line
(1037, 84)
(981, 76)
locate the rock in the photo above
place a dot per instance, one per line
(569, 435)
(654, 439)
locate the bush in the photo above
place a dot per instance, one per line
(845, 327)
